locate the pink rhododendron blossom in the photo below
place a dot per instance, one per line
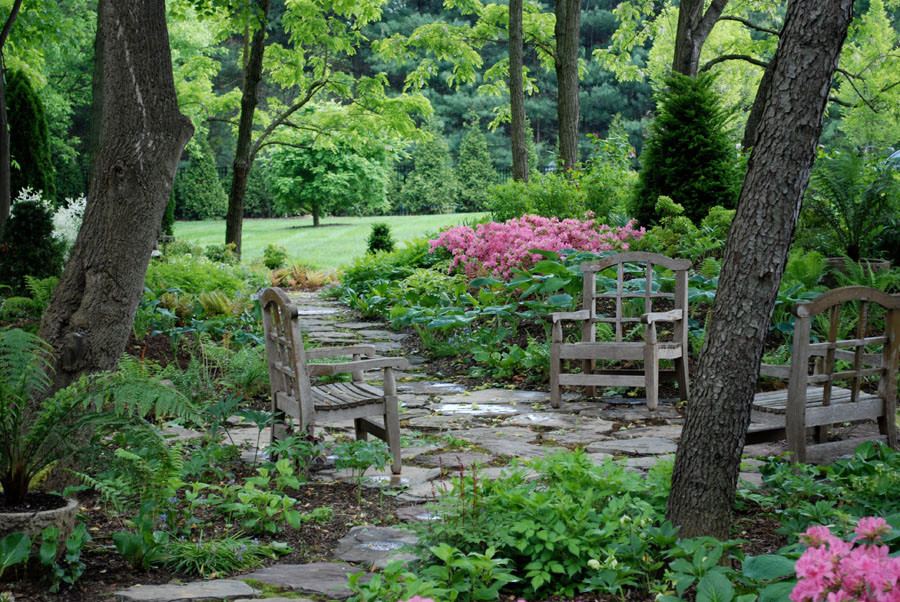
(832, 570)
(499, 247)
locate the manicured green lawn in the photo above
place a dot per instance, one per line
(334, 243)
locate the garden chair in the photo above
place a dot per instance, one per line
(294, 396)
(813, 399)
(650, 350)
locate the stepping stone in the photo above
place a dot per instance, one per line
(309, 310)
(412, 414)
(505, 441)
(642, 446)
(666, 431)
(475, 409)
(440, 422)
(416, 513)
(754, 478)
(452, 460)
(408, 453)
(410, 401)
(328, 579)
(216, 590)
(427, 491)
(376, 546)
(175, 433)
(358, 325)
(493, 473)
(543, 419)
(386, 347)
(517, 449)
(632, 414)
(246, 436)
(506, 396)
(382, 334)
(429, 387)
(332, 334)
(647, 462)
(409, 477)
(577, 436)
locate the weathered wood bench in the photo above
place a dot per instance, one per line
(813, 400)
(294, 396)
(650, 350)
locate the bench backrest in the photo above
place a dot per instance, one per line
(288, 377)
(591, 296)
(831, 303)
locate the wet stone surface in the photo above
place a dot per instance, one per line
(642, 446)
(429, 387)
(376, 546)
(327, 579)
(452, 460)
(218, 590)
(474, 409)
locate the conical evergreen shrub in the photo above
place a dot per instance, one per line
(29, 138)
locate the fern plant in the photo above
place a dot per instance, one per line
(38, 429)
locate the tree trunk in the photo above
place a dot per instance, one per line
(708, 458)
(756, 111)
(693, 28)
(568, 108)
(142, 136)
(517, 94)
(96, 99)
(242, 155)
(315, 214)
(5, 166)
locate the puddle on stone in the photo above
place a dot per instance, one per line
(382, 546)
(393, 481)
(471, 409)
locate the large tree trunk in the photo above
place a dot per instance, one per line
(5, 192)
(517, 94)
(756, 111)
(693, 28)
(568, 108)
(242, 155)
(143, 134)
(708, 458)
(96, 99)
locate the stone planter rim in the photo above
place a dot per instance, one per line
(12, 522)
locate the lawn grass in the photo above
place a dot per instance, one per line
(336, 242)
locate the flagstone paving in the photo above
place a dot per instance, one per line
(489, 426)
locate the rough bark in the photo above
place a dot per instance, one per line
(693, 28)
(96, 99)
(5, 192)
(243, 151)
(708, 458)
(756, 111)
(517, 94)
(142, 136)
(568, 108)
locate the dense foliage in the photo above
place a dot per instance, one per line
(197, 189)
(28, 245)
(29, 141)
(432, 186)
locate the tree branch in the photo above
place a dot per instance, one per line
(13, 13)
(850, 79)
(734, 57)
(750, 24)
(310, 92)
(709, 18)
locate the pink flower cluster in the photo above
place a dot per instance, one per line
(833, 570)
(499, 247)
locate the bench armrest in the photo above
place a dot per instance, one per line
(583, 314)
(323, 352)
(375, 363)
(662, 316)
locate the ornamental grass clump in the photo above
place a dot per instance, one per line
(500, 247)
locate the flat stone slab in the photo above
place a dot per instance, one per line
(475, 409)
(507, 396)
(386, 346)
(416, 513)
(493, 473)
(216, 590)
(452, 460)
(647, 462)
(410, 401)
(430, 387)
(754, 478)
(409, 476)
(666, 431)
(382, 334)
(427, 491)
(578, 436)
(546, 420)
(328, 579)
(440, 422)
(632, 413)
(358, 325)
(641, 446)
(174, 434)
(274, 600)
(480, 435)
(376, 546)
(309, 310)
(332, 334)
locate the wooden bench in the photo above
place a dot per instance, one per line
(650, 350)
(294, 396)
(812, 399)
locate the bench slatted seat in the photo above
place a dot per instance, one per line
(650, 350)
(815, 400)
(293, 395)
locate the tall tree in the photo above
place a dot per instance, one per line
(253, 64)
(5, 197)
(709, 455)
(517, 94)
(568, 108)
(694, 25)
(142, 136)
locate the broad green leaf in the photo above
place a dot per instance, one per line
(777, 592)
(14, 549)
(715, 587)
(768, 566)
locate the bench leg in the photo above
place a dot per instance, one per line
(392, 430)
(555, 395)
(361, 433)
(651, 376)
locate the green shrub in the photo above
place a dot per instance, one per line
(259, 200)
(380, 238)
(475, 170)
(19, 308)
(688, 156)
(29, 138)
(806, 268)
(222, 253)
(194, 275)
(509, 200)
(198, 192)
(274, 256)
(168, 220)
(28, 246)
(396, 265)
(182, 247)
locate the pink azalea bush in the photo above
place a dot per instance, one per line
(499, 247)
(833, 570)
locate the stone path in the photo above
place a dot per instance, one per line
(498, 425)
